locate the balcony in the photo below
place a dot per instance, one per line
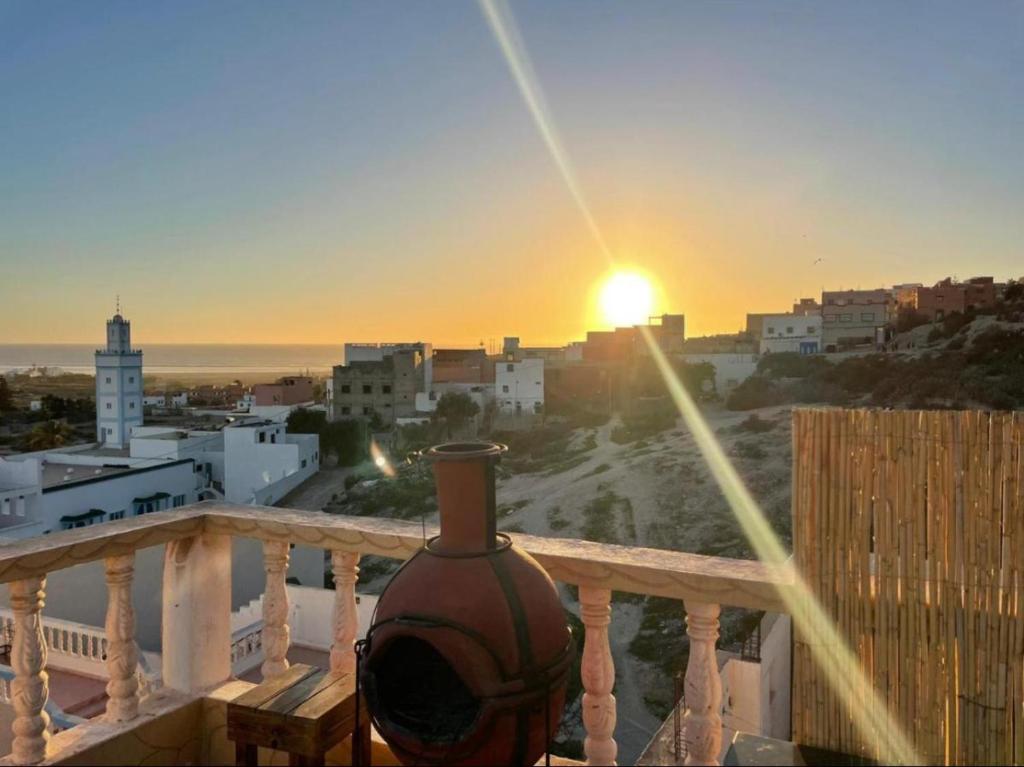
(183, 720)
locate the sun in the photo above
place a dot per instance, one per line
(626, 298)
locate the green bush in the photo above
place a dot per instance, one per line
(755, 392)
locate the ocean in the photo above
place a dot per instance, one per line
(181, 359)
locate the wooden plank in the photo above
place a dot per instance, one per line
(266, 691)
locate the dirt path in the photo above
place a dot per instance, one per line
(316, 492)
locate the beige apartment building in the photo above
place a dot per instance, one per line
(386, 386)
(854, 317)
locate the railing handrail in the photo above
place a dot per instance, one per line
(655, 572)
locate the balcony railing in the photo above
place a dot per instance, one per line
(198, 646)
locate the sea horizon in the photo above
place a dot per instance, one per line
(168, 359)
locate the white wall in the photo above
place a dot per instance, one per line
(519, 386)
(263, 472)
(481, 394)
(741, 703)
(730, 369)
(776, 675)
(118, 396)
(786, 332)
(116, 492)
(21, 496)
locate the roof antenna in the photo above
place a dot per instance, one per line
(118, 303)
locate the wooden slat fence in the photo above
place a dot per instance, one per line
(909, 528)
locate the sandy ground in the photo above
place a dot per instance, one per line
(676, 505)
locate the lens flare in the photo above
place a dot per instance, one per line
(380, 460)
(864, 706)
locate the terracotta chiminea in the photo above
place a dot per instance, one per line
(467, 659)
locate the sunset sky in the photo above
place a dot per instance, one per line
(321, 172)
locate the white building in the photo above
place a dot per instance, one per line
(45, 492)
(376, 352)
(118, 385)
(154, 400)
(730, 369)
(262, 462)
(248, 461)
(480, 393)
(799, 333)
(519, 386)
(35, 405)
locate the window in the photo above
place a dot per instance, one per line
(831, 317)
(131, 379)
(789, 330)
(346, 389)
(771, 330)
(116, 515)
(131, 405)
(510, 368)
(811, 330)
(179, 500)
(367, 389)
(303, 463)
(273, 438)
(386, 388)
(867, 317)
(846, 318)
(504, 389)
(263, 436)
(108, 406)
(108, 379)
(346, 410)
(366, 409)
(387, 404)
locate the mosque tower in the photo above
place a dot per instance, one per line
(118, 385)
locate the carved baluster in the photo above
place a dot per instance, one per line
(122, 652)
(30, 688)
(275, 609)
(702, 722)
(345, 566)
(597, 671)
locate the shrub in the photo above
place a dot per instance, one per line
(755, 392)
(791, 365)
(755, 424)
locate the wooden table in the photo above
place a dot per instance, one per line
(306, 712)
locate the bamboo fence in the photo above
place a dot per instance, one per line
(908, 526)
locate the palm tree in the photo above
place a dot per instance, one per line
(48, 435)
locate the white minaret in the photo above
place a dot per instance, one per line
(118, 385)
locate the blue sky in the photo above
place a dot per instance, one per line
(321, 172)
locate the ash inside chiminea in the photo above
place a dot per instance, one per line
(468, 655)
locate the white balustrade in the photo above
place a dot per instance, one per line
(275, 609)
(123, 653)
(702, 721)
(30, 688)
(345, 566)
(597, 672)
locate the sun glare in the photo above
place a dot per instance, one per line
(627, 298)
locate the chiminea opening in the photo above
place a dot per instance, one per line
(417, 690)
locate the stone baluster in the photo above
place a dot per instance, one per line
(275, 609)
(597, 671)
(196, 623)
(345, 566)
(702, 721)
(122, 652)
(30, 688)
